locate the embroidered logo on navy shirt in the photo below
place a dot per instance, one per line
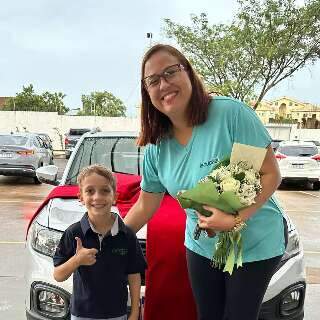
(119, 251)
(209, 163)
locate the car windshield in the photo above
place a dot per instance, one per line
(298, 151)
(10, 140)
(120, 154)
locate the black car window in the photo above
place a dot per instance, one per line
(78, 132)
(298, 151)
(42, 142)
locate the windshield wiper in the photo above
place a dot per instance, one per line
(91, 152)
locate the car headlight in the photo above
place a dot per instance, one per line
(49, 301)
(293, 247)
(44, 240)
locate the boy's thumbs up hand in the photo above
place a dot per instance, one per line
(85, 257)
(79, 244)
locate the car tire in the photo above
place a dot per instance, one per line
(316, 186)
(67, 156)
(36, 180)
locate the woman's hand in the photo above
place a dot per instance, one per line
(218, 221)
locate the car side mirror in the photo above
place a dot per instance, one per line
(48, 174)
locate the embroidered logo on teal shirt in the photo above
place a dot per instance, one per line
(119, 251)
(209, 162)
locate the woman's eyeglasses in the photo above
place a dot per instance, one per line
(167, 74)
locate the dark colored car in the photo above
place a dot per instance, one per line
(71, 139)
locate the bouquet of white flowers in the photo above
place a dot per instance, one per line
(232, 185)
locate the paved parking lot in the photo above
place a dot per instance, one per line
(19, 197)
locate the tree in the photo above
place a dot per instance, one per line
(102, 104)
(267, 42)
(28, 100)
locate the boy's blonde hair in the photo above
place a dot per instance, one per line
(101, 171)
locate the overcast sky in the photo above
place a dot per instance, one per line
(77, 47)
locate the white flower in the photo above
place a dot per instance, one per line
(247, 194)
(250, 177)
(220, 174)
(230, 184)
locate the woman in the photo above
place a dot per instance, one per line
(186, 132)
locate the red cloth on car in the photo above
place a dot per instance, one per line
(168, 294)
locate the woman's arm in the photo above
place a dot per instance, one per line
(134, 281)
(146, 205)
(270, 180)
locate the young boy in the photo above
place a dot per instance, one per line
(101, 252)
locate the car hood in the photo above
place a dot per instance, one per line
(64, 212)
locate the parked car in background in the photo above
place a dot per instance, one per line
(299, 161)
(71, 139)
(46, 299)
(21, 154)
(275, 144)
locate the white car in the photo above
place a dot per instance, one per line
(299, 161)
(46, 299)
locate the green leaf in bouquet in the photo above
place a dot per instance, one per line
(223, 163)
(203, 192)
(231, 255)
(232, 201)
(239, 176)
(187, 203)
(238, 242)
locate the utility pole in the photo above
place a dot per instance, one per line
(149, 36)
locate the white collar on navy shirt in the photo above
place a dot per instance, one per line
(114, 229)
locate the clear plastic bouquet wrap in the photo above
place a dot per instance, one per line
(231, 186)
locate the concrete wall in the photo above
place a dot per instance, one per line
(291, 132)
(305, 134)
(57, 125)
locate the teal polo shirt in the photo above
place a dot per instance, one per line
(170, 166)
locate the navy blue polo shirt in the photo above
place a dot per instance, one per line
(100, 290)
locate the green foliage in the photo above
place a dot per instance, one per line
(267, 42)
(102, 104)
(28, 100)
